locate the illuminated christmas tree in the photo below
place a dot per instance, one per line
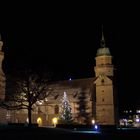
(65, 111)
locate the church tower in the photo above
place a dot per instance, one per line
(2, 85)
(104, 86)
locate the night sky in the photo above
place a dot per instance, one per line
(64, 40)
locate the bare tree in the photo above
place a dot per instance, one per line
(29, 89)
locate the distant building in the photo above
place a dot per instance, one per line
(90, 98)
(130, 118)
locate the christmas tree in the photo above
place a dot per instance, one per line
(65, 111)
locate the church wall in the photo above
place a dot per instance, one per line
(104, 95)
(104, 102)
(3, 116)
(105, 114)
(22, 117)
(2, 85)
(2, 88)
(49, 111)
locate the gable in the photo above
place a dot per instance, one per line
(103, 79)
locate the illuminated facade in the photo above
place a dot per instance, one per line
(90, 98)
(2, 84)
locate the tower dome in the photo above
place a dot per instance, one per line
(103, 50)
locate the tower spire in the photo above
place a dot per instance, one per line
(103, 39)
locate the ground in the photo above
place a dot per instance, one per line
(23, 133)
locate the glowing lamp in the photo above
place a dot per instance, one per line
(55, 121)
(96, 127)
(93, 121)
(70, 79)
(137, 120)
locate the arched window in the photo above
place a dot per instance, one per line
(56, 109)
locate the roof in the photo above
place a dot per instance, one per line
(73, 88)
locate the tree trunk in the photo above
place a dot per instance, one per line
(30, 116)
(29, 103)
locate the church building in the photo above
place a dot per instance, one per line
(90, 98)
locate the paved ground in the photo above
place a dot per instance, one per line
(24, 133)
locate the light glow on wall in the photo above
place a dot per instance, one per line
(55, 121)
(39, 121)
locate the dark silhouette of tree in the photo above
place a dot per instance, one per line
(29, 88)
(83, 107)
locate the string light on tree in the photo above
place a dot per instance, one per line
(65, 110)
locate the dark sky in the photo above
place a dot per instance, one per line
(65, 39)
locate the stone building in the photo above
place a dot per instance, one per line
(90, 98)
(2, 85)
